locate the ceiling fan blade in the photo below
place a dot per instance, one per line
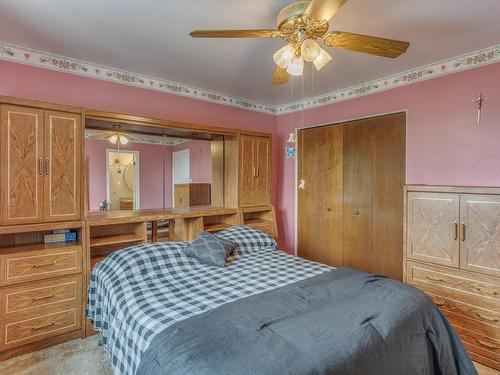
(280, 76)
(366, 44)
(257, 33)
(323, 10)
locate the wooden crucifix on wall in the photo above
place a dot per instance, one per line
(480, 100)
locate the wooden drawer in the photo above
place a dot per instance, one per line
(486, 347)
(31, 312)
(458, 285)
(22, 266)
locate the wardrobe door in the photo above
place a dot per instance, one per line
(388, 180)
(247, 171)
(262, 180)
(433, 228)
(480, 233)
(319, 205)
(21, 150)
(358, 205)
(374, 176)
(62, 166)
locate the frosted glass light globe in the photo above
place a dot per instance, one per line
(296, 66)
(283, 56)
(310, 50)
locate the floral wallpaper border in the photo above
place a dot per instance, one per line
(61, 63)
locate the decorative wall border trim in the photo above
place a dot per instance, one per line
(60, 63)
(468, 61)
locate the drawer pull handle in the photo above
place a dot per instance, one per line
(493, 320)
(492, 292)
(43, 265)
(36, 299)
(486, 344)
(434, 278)
(37, 328)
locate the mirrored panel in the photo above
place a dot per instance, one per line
(133, 166)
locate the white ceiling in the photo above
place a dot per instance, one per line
(151, 37)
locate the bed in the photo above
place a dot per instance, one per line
(160, 311)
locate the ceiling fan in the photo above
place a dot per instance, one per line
(300, 24)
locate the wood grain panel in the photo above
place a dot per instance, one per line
(21, 147)
(389, 175)
(39, 264)
(62, 161)
(358, 189)
(319, 205)
(247, 167)
(44, 293)
(433, 227)
(262, 184)
(480, 233)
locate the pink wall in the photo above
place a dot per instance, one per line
(200, 160)
(151, 164)
(445, 146)
(27, 82)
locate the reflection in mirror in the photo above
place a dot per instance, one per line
(131, 167)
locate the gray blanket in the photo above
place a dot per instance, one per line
(340, 322)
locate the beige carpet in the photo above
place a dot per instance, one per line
(77, 357)
(83, 357)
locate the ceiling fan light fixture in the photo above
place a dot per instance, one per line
(284, 56)
(310, 50)
(113, 138)
(322, 59)
(296, 66)
(123, 139)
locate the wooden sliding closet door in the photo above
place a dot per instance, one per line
(351, 210)
(320, 203)
(374, 176)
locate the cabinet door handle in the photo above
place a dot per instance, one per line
(36, 328)
(455, 230)
(40, 167)
(463, 232)
(46, 166)
(254, 172)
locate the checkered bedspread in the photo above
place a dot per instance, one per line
(137, 292)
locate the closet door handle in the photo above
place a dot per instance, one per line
(463, 232)
(254, 172)
(46, 166)
(455, 230)
(40, 167)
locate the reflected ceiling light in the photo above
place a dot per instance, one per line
(296, 66)
(117, 136)
(284, 56)
(322, 59)
(310, 50)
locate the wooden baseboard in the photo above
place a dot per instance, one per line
(33, 347)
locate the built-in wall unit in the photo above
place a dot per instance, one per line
(101, 182)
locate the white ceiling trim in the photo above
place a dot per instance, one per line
(60, 63)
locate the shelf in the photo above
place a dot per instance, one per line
(115, 240)
(216, 227)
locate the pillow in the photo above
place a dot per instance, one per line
(247, 239)
(210, 249)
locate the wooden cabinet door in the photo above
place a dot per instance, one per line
(319, 205)
(21, 151)
(357, 224)
(247, 171)
(262, 179)
(62, 159)
(480, 233)
(433, 227)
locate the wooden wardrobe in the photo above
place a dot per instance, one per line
(351, 210)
